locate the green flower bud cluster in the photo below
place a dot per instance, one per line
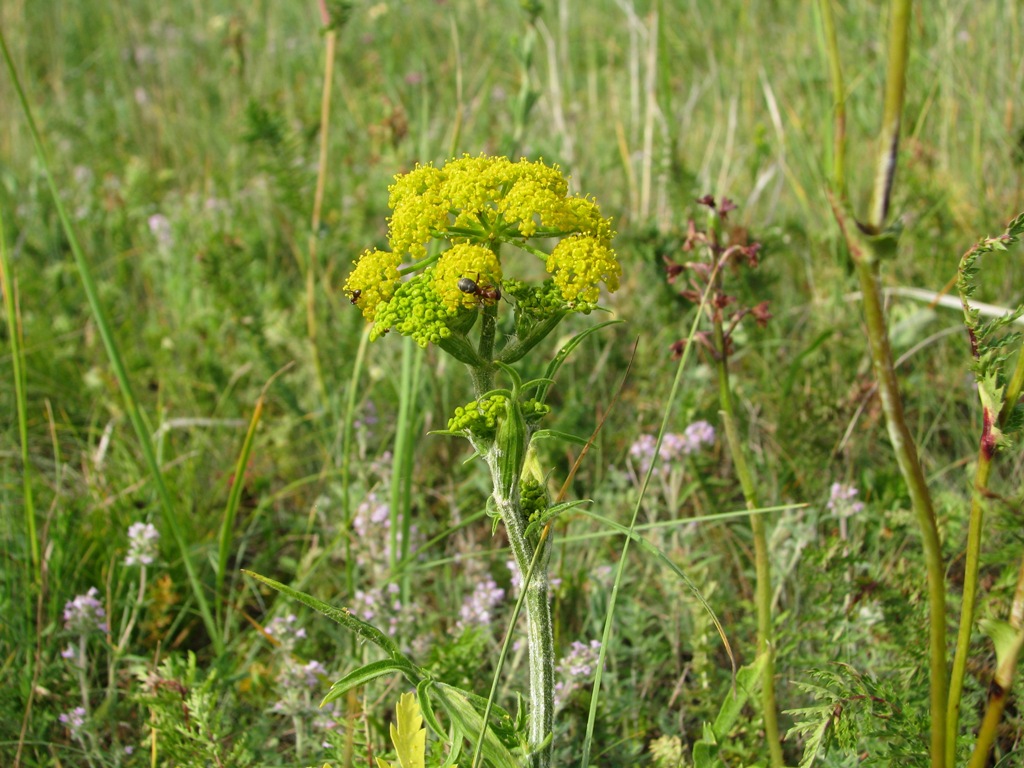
(480, 418)
(472, 205)
(533, 498)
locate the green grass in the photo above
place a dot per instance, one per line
(207, 115)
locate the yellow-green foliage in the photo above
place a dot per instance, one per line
(408, 735)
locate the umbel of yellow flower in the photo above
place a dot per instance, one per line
(471, 207)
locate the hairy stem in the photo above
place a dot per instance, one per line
(540, 633)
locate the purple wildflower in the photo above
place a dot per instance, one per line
(840, 501)
(476, 608)
(85, 613)
(74, 720)
(575, 668)
(673, 446)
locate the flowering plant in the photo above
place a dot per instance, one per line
(445, 269)
(446, 281)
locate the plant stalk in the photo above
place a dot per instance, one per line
(910, 467)
(866, 260)
(970, 595)
(762, 567)
(999, 688)
(540, 633)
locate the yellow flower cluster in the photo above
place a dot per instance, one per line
(475, 262)
(373, 281)
(474, 204)
(579, 264)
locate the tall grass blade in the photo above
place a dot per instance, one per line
(131, 405)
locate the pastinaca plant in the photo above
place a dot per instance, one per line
(458, 233)
(872, 239)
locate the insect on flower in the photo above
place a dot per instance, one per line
(472, 287)
(354, 295)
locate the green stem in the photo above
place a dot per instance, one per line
(999, 688)
(910, 467)
(970, 594)
(881, 354)
(540, 633)
(762, 567)
(838, 98)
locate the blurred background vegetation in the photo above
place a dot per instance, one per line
(184, 137)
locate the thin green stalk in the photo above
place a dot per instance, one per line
(921, 501)
(402, 460)
(1008, 646)
(895, 92)
(346, 459)
(762, 567)
(18, 370)
(866, 259)
(330, 40)
(131, 405)
(970, 595)
(835, 69)
(606, 632)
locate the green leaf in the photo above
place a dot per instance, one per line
(345, 617)
(366, 674)
(748, 680)
(553, 512)
(545, 434)
(408, 735)
(468, 719)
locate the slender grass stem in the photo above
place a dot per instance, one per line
(7, 285)
(867, 267)
(131, 404)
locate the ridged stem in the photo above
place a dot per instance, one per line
(540, 634)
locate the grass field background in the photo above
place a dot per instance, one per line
(184, 138)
